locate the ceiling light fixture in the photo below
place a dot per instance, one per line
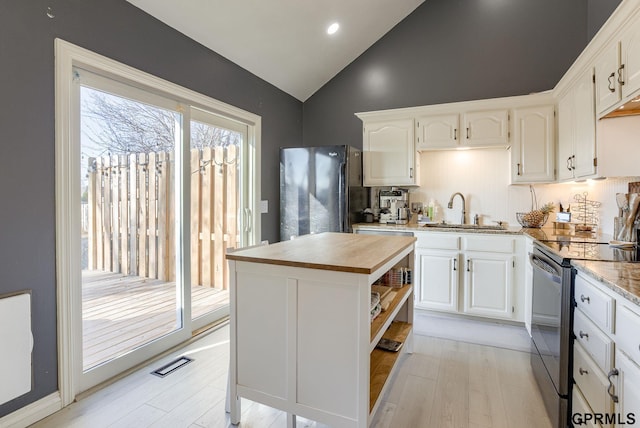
(333, 28)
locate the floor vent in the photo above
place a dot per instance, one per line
(172, 366)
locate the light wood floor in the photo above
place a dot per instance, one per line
(121, 313)
(444, 383)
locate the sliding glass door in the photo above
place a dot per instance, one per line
(163, 194)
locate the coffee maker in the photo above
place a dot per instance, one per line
(394, 206)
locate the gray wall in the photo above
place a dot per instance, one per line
(118, 30)
(455, 50)
(447, 50)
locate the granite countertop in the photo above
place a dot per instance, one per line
(414, 227)
(621, 277)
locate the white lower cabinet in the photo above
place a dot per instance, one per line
(438, 270)
(627, 389)
(606, 356)
(467, 274)
(488, 284)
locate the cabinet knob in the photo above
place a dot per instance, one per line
(585, 299)
(583, 335)
(611, 84)
(583, 371)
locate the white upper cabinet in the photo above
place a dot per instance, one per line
(630, 55)
(486, 128)
(440, 131)
(388, 153)
(481, 128)
(576, 130)
(618, 70)
(533, 149)
(608, 91)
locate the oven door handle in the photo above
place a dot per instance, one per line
(546, 268)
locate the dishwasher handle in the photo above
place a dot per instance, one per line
(546, 268)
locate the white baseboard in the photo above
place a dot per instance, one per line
(33, 412)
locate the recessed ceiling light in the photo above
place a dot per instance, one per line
(333, 28)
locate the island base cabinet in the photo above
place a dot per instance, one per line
(311, 312)
(302, 338)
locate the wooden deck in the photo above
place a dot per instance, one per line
(121, 313)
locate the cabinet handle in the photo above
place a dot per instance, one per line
(583, 335)
(410, 172)
(455, 133)
(583, 299)
(573, 162)
(468, 265)
(613, 372)
(611, 82)
(569, 163)
(455, 264)
(620, 78)
(583, 371)
(518, 168)
(468, 132)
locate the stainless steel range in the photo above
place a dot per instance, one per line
(552, 314)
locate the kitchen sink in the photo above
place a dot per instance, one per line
(466, 226)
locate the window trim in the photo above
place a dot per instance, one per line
(67, 169)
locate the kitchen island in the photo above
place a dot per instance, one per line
(302, 339)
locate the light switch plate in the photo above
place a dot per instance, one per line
(264, 206)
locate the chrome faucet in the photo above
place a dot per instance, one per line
(450, 206)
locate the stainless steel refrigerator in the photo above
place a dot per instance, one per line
(320, 190)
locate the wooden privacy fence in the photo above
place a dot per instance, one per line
(132, 221)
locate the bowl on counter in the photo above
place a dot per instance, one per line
(532, 219)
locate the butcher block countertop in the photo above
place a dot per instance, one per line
(343, 252)
(621, 277)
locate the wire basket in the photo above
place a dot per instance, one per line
(531, 219)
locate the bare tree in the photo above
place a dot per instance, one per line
(119, 126)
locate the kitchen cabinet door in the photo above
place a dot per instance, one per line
(438, 131)
(584, 164)
(630, 59)
(486, 128)
(627, 388)
(533, 149)
(566, 136)
(577, 130)
(488, 284)
(607, 88)
(388, 153)
(438, 272)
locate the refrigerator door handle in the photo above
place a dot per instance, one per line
(343, 199)
(247, 219)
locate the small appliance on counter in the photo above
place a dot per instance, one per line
(394, 206)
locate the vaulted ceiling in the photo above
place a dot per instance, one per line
(284, 42)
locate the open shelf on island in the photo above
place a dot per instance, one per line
(381, 320)
(383, 362)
